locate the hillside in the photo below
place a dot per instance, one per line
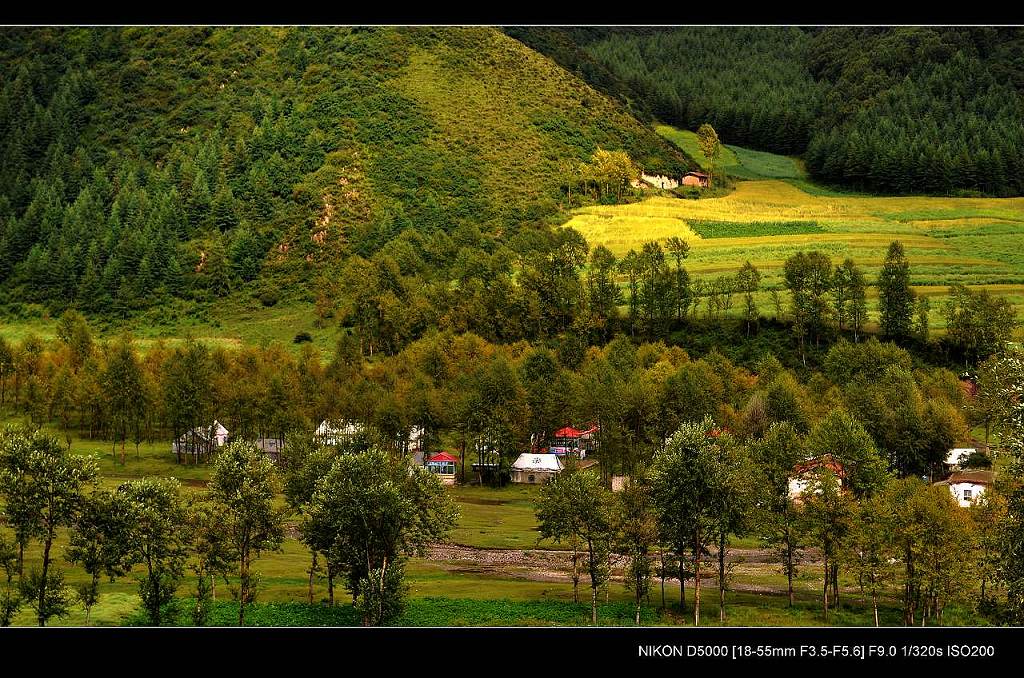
(903, 110)
(179, 165)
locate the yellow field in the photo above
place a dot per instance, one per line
(975, 241)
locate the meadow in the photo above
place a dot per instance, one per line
(978, 242)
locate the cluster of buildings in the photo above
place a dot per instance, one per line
(541, 463)
(967, 485)
(698, 179)
(533, 467)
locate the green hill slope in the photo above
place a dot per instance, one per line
(146, 165)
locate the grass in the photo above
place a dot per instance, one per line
(978, 242)
(742, 163)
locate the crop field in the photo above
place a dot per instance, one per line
(975, 241)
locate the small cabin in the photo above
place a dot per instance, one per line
(444, 465)
(698, 179)
(967, 486)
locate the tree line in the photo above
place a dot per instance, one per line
(366, 512)
(888, 110)
(900, 539)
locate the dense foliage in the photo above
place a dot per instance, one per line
(892, 110)
(147, 165)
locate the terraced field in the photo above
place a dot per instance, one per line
(975, 241)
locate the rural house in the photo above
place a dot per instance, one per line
(803, 473)
(202, 440)
(695, 179)
(444, 465)
(270, 446)
(346, 432)
(967, 486)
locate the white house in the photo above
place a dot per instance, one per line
(536, 468)
(660, 181)
(967, 486)
(343, 432)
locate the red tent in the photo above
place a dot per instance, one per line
(567, 432)
(443, 456)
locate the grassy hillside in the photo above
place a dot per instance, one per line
(741, 163)
(149, 164)
(974, 241)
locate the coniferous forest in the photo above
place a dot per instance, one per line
(889, 110)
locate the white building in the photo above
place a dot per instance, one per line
(534, 468)
(337, 433)
(660, 181)
(967, 486)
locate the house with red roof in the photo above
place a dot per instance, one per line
(575, 442)
(444, 465)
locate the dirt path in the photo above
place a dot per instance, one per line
(556, 566)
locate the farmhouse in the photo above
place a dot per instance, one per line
(967, 486)
(803, 473)
(695, 179)
(200, 440)
(270, 446)
(536, 468)
(337, 433)
(443, 464)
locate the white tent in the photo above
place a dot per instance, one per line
(528, 461)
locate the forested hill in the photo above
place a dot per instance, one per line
(143, 164)
(890, 110)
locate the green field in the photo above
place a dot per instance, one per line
(741, 163)
(978, 242)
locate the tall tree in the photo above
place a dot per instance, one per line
(574, 505)
(636, 535)
(895, 298)
(710, 147)
(378, 510)
(242, 488)
(55, 487)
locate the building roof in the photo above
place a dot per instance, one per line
(696, 174)
(442, 456)
(528, 461)
(972, 477)
(817, 463)
(567, 432)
